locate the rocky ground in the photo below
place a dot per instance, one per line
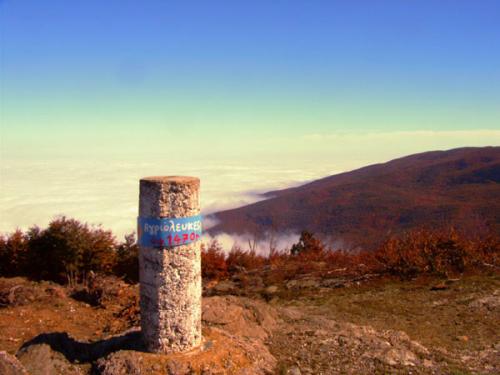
(308, 325)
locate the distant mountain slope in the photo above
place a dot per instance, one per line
(458, 187)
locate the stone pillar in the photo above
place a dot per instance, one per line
(170, 274)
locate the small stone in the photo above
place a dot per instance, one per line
(403, 357)
(272, 289)
(465, 358)
(428, 363)
(225, 287)
(294, 370)
(178, 368)
(342, 340)
(206, 371)
(207, 345)
(440, 286)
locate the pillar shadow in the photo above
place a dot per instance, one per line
(81, 352)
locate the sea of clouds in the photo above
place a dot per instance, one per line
(106, 192)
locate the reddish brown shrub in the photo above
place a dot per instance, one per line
(68, 250)
(13, 253)
(127, 262)
(213, 262)
(240, 260)
(442, 252)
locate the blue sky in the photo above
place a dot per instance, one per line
(72, 71)
(325, 85)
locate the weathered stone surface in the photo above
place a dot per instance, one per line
(121, 363)
(243, 317)
(170, 278)
(169, 196)
(229, 355)
(42, 360)
(320, 345)
(10, 365)
(489, 302)
(18, 291)
(235, 332)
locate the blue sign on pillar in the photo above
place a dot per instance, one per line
(168, 232)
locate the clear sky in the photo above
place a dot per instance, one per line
(343, 83)
(95, 75)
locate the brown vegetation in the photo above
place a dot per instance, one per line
(441, 253)
(68, 251)
(417, 252)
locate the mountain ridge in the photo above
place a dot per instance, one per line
(458, 187)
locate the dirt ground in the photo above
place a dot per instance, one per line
(306, 326)
(456, 321)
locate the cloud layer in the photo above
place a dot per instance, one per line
(34, 192)
(104, 190)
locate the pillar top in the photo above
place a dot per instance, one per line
(185, 180)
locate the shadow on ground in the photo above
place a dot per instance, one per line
(81, 352)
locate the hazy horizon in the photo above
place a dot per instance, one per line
(105, 192)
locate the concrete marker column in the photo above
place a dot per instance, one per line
(170, 272)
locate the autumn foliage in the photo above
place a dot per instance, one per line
(214, 262)
(418, 252)
(442, 253)
(68, 251)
